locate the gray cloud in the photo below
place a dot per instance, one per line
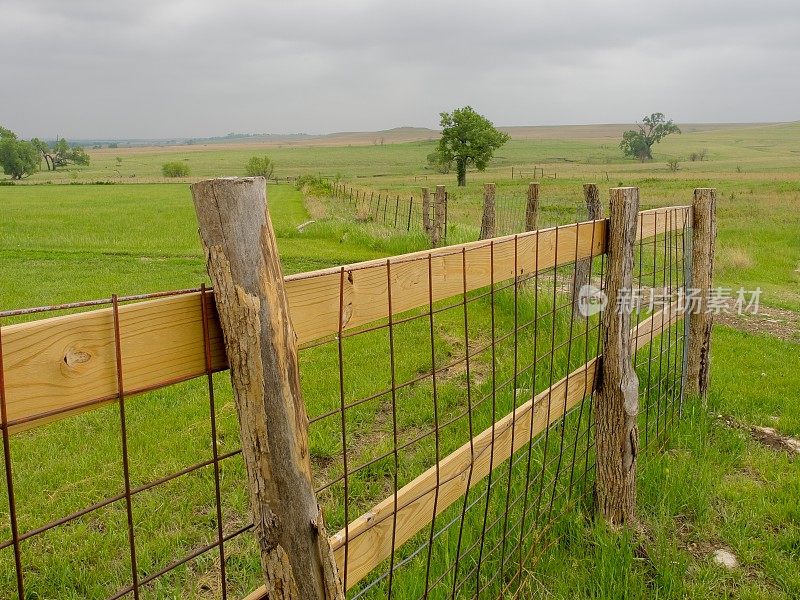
(163, 68)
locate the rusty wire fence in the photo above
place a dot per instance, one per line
(511, 206)
(450, 422)
(401, 213)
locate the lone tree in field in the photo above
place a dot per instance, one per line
(638, 143)
(467, 139)
(260, 166)
(60, 154)
(18, 158)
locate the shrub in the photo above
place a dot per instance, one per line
(673, 165)
(259, 166)
(175, 169)
(314, 185)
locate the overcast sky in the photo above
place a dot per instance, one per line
(176, 68)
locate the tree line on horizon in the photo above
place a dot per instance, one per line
(21, 158)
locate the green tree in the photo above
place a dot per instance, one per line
(44, 151)
(175, 169)
(638, 143)
(63, 154)
(467, 139)
(438, 162)
(259, 166)
(17, 157)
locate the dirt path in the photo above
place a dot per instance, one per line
(778, 322)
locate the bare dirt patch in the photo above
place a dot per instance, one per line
(768, 436)
(777, 322)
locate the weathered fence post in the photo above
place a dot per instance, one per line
(532, 207)
(583, 267)
(617, 397)
(242, 260)
(704, 233)
(439, 216)
(426, 211)
(489, 214)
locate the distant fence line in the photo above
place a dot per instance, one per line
(481, 447)
(532, 173)
(426, 214)
(503, 212)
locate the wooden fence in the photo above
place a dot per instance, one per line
(464, 403)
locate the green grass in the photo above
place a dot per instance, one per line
(70, 243)
(711, 485)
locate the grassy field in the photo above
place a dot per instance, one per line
(712, 487)
(753, 151)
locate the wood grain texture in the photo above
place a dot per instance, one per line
(439, 216)
(426, 211)
(704, 234)
(532, 207)
(661, 220)
(617, 401)
(245, 269)
(68, 363)
(489, 214)
(64, 365)
(583, 267)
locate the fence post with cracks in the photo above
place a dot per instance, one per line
(244, 266)
(617, 397)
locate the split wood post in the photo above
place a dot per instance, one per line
(439, 216)
(583, 267)
(532, 207)
(704, 233)
(489, 214)
(426, 211)
(242, 260)
(617, 397)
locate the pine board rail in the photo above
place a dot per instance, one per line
(65, 365)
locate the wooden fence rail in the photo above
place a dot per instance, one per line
(64, 365)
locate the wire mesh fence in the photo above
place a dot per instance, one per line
(399, 212)
(510, 211)
(449, 434)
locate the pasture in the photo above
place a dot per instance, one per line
(713, 486)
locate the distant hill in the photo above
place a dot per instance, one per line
(400, 135)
